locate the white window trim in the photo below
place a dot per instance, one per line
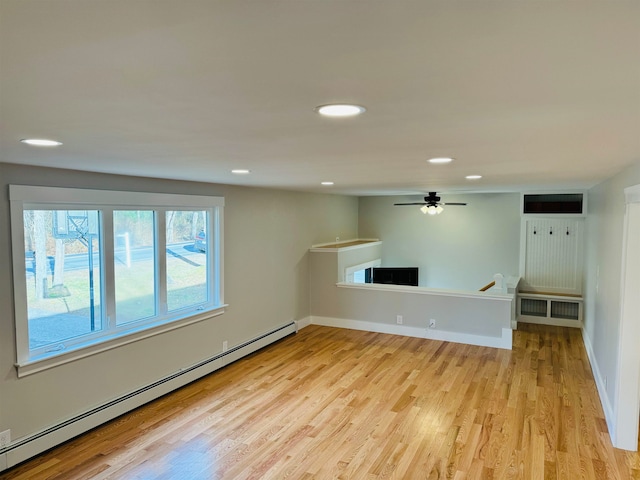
(54, 198)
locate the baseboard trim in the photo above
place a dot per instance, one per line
(303, 322)
(554, 322)
(602, 391)
(27, 447)
(504, 342)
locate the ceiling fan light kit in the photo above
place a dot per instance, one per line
(431, 209)
(431, 204)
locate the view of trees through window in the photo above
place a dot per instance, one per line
(186, 284)
(65, 274)
(134, 265)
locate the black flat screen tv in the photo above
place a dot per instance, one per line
(395, 275)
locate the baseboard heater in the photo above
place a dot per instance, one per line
(27, 447)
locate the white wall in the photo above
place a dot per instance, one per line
(604, 236)
(267, 237)
(462, 248)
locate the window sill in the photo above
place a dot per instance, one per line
(78, 351)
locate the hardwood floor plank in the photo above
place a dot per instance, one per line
(332, 403)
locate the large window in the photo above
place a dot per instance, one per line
(94, 269)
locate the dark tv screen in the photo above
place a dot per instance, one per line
(396, 275)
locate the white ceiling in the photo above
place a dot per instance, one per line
(529, 94)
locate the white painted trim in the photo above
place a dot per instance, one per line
(507, 297)
(554, 215)
(632, 194)
(49, 196)
(549, 319)
(627, 387)
(558, 297)
(102, 344)
(33, 197)
(504, 342)
(19, 279)
(556, 322)
(303, 322)
(600, 384)
(370, 242)
(522, 260)
(349, 271)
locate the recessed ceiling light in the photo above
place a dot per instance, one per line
(441, 160)
(473, 177)
(241, 171)
(340, 110)
(326, 183)
(41, 142)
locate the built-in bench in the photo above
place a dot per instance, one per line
(561, 309)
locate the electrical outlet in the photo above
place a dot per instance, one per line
(399, 319)
(5, 438)
(432, 323)
(225, 346)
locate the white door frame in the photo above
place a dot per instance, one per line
(627, 394)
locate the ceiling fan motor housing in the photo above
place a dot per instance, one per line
(432, 198)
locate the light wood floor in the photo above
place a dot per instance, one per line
(331, 403)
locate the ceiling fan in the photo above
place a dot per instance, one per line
(431, 204)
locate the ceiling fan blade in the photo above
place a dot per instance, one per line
(432, 200)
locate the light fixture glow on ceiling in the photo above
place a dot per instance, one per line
(440, 160)
(473, 177)
(41, 142)
(326, 183)
(241, 171)
(340, 110)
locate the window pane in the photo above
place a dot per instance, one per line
(134, 265)
(62, 261)
(187, 257)
(361, 276)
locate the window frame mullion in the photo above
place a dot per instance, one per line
(108, 283)
(160, 223)
(214, 260)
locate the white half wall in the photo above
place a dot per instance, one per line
(479, 318)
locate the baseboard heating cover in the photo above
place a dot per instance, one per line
(27, 447)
